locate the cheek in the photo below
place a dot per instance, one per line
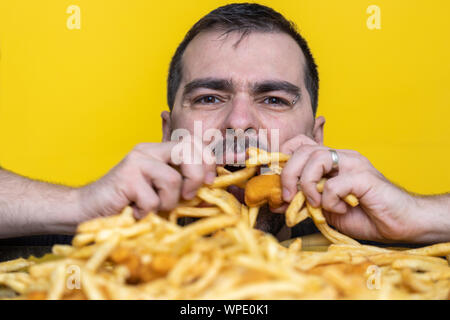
(288, 127)
(196, 122)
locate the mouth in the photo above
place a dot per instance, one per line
(232, 150)
(234, 167)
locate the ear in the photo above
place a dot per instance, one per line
(166, 125)
(318, 130)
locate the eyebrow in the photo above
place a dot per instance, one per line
(208, 83)
(275, 85)
(227, 86)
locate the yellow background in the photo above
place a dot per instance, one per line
(74, 102)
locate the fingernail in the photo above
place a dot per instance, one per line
(210, 176)
(286, 194)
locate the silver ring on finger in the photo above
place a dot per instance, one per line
(335, 158)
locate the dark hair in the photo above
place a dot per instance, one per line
(244, 18)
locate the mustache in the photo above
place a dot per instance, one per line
(232, 148)
(238, 144)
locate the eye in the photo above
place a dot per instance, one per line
(208, 100)
(276, 101)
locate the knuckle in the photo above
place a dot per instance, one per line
(197, 177)
(125, 172)
(286, 176)
(328, 186)
(141, 147)
(301, 150)
(305, 148)
(174, 179)
(153, 203)
(127, 181)
(361, 159)
(305, 186)
(317, 154)
(327, 205)
(132, 157)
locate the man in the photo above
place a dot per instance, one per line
(243, 67)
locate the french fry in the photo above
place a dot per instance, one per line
(248, 240)
(204, 226)
(207, 278)
(258, 157)
(190, 203)
(365, 250)
(335, 236)
(294, 213)
(221, 171)
(253, 216)
(389, 258)
(14, 265)
(102, 253)
(221, 198)
(124, 219)
(221, 256)
(296, 245)
(62, 250)
(244, 214)
(193, 212)
(83, 239)
(316, 214)
(435, 250)
(17, 281)
(320, 185)
(235, 178)
(58, 283)
(253, 291)
(415, 283)
(350, 199)
(90, 286)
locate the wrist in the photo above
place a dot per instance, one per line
(65, 217)
(432, 220)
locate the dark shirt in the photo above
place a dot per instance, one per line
(23, 247)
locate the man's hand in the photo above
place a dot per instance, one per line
(385, 213)
(148, 180)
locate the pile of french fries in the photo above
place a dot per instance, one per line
(221, 256)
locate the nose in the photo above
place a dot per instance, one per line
(241, 115)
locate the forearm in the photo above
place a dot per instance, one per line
(433, 215)
(30, 207)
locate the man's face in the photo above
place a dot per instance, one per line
(253, 85)
(256, 84)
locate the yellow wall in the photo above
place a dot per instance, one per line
(74, 102)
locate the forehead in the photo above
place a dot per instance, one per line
(256, 57)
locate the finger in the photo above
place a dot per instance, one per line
(355, 223)
(291, 145)
(197, 172)
(293, 170)
(144, 197)
(318, 164)
(166, 180)
(159, 151)
(333, 192)
(209, 165)
(194, 176)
